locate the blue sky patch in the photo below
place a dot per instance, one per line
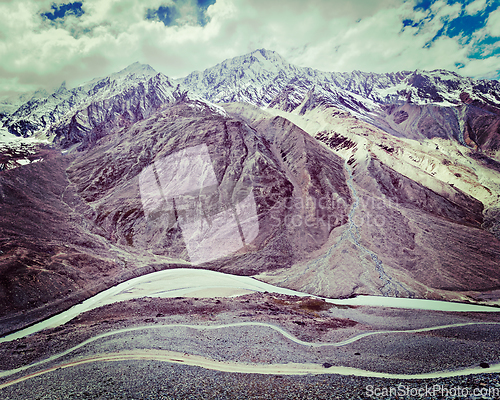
(486, 47)
(408, 22)
(462, 27)
(202, 8)
(170, 15)
(205, 3)
(423, 5)
(62, 10)
(466, 24)
(166, 14)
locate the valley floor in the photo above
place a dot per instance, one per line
(260, 345)
(158, 381)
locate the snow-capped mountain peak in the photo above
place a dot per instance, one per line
(137, 89)
(262, 78)
(137, 69)
(265, 79)
(255, 78)
(87, 112)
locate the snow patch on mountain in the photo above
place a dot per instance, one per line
(263, 77)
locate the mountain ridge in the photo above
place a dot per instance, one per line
(325, 202)
(413, 104)
(332, 185)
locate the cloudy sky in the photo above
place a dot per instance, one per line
(43, 42)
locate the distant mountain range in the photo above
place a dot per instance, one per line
(417, 105)
(335, 184)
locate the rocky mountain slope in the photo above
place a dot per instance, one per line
(409, 229)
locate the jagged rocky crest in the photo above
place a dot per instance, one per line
(83, 114)
(418, 104)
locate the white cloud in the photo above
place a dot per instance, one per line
(483, 68)
(493, 25)
(329, 35)
(378, 44)
(443, 10)
(476, 7)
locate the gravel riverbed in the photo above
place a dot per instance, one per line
(141, 380)
(306, 320)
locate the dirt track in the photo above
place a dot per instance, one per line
(264, 334)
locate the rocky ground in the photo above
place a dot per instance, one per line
(158, 381)
(152, 327)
